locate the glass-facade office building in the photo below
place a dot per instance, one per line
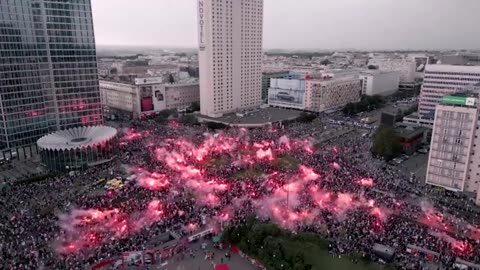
(48, 70)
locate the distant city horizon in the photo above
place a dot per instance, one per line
(302, 24)
(291, 49)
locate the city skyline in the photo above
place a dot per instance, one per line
(342, 25)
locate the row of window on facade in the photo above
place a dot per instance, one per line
(452, 73)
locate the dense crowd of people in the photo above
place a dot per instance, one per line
(32, 237)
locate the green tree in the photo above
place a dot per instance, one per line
(195, 107)
(168, 113)
(325, 62)
(171, 79)
(181, 54)
(349, 109)
(215, 125)
(188, 119)
(306, 117)
(366, 104)
(386, 144)
(259, 232)
(161, 120)
(164, 115)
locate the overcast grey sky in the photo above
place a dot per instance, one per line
(302, 24)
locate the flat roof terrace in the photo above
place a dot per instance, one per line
(254, 118)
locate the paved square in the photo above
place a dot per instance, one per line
(199, 263)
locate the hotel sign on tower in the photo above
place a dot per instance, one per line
(201, 24)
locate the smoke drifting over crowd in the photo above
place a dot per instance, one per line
(224, 177)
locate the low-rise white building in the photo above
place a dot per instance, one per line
(381, 83)
(315, 94)
(407, 68)
(119, 96)
(148, 96)
(180, 96)
(331, 93)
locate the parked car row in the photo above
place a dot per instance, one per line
(399, 160)
(351, 123)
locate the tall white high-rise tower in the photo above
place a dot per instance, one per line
(230, 55)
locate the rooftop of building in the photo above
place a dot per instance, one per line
(322, 78)
(255, 118)
(77, 138)
(342, 78)
(125, 79)
(377, 72)
(472, 56)
(407, 132)
(273, 72)
(344, 71)
(465, 94)
(134, 80)
(182, 83)
(394, 60)
(452, 68)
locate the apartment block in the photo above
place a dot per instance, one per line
(453, 160)
(147, 96)
(331, 93)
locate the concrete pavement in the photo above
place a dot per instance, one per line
(199, 263)
(416, 164)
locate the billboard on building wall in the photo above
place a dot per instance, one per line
(287, 93)
(420, 63)
(159, 98)
(455, 100)
(146, 98)
(152, 98)
(150, 80)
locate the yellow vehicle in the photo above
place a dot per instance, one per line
(114, 184)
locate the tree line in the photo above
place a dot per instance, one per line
(366, 104)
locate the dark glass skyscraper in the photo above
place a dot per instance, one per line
(48, 69)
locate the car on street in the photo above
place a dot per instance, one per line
(422, 151)
(397, 161)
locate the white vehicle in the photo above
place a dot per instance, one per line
(398, 161)
(422, 151)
